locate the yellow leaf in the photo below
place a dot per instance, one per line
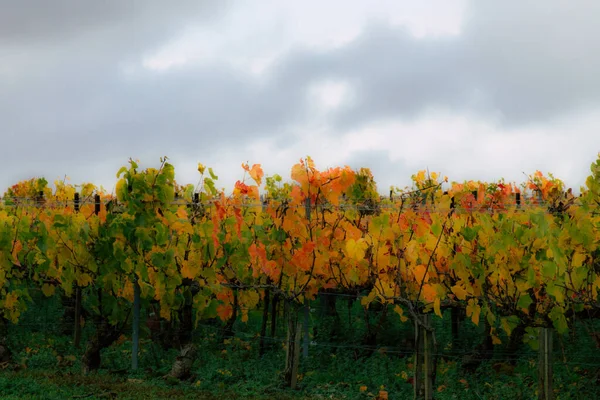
(445, 202)
(181, 213)
(201, 168)
(13, 315)
(365, 301)
(555, 291)
(48, 290)
(506, 325)
(459, 291)
(436, 307)
(356, 249)
(188, 270)
(165, 312)
(10, 301)
(473, 311)
(84, 280)
(249, 299)
(127, 291)
(578, 259)
(398, 310)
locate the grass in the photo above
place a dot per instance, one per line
(337, 366)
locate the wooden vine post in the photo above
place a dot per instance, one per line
(292, 352)
(545, 389)
(77, 331)
(423, 376)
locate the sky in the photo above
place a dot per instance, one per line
(477, 89)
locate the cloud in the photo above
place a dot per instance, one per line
(468, 147)
(31, 21)
(396, 85)
(517, 66)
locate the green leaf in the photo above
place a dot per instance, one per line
(121, 171)
(436, 229)
(548, 269)
(209, 183)
(531, 278)
(381, 221)
(524, 301)
(169, 171)
(353, 276)
(211, 310)
(531, 338)
(278, 235)
(158, 260)
(162, 234)
(469, 233)
(559, 320)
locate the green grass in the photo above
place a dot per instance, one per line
(337, 366)
(236, 371)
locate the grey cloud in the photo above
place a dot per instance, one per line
(30, 21)
(520, 64)
(66, 102)
(535, 61)
(71, 123)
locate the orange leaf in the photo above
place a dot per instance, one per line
(181, 213)
(225, 311)
(420, 275)
(256, 173)
(398, 310)
(429, 292)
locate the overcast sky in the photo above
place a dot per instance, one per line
(473, 89)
